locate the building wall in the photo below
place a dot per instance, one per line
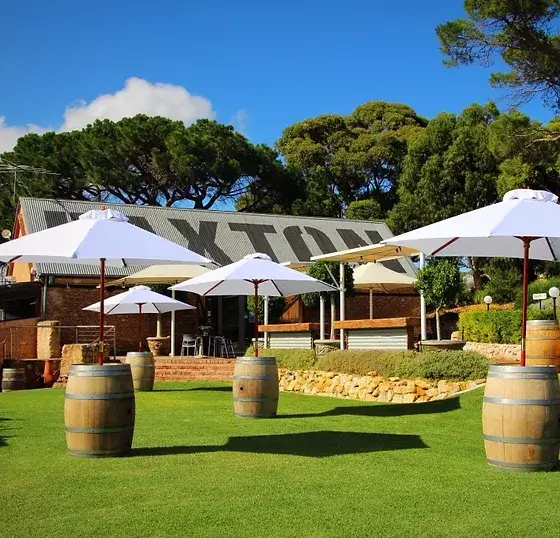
(18, 338)
(67, 297)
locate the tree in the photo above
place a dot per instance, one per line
(276, 307)
(364, 210)
(441, 283)
(504, 277)
(449, 170)
(342, 159)
(522, 33)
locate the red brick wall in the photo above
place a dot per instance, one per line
(194, 369)
(65, 305)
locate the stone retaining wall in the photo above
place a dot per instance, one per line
(372, 387)
(496, 352)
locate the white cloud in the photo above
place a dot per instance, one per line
(240, 119)
(137, 97)
(140, 97)
(10, 133)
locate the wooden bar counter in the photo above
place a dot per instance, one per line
(389, 333)
(291, 335)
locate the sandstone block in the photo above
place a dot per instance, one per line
(48, 340)
(409, 398)
(80, 354)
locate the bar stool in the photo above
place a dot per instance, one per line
(225, 347)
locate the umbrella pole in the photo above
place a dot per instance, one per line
(139, 326)
(371, 303)
(256, 319)
(101, 312)
(526, 245)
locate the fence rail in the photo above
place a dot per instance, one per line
(26, 335)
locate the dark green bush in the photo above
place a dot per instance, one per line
(294, 359)
(538, 286)
(536, 313)
(459, 365)
(496, 326)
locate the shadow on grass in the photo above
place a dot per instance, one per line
(214, 389)
(319, 444)
(3, 429)
(385, 410)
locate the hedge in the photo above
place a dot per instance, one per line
(294, 359)
(494, 326)
(538, 286)
(456, 365)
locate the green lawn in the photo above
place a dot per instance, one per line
(324, 467)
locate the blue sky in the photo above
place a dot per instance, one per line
(258, 64)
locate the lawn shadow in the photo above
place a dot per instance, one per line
(214, 389)
(319, 444)
(385, 410)
(3, 429)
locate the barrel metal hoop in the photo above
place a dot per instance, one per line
(122, 373)
(542, 338)
(116, 396)
(520, 369)
(77, 429)
(522, 440)
(260, 360)
(264, 399)
(257, 377)
(522, 466)
(520, 376)
(262, 415)
(521, 401)
(84, 453)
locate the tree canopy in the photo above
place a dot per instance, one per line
(523, 34)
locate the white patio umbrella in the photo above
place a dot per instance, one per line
(256, 274)
(139, 300)
(103, 237)
(376, 276)
(526, 224)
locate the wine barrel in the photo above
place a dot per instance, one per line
(143, 369)
(99, 410)
(13, 379)
(543, 343)
(520, 417)
(255, 387)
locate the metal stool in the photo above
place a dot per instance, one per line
(225, 347)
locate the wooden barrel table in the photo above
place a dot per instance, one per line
(143, 369)
(13, 379)
(255, 387)
(543, 343)
(520, 417)
(99, 410)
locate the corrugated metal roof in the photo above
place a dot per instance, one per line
(224, 236)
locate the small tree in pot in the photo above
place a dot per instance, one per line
(441, 283)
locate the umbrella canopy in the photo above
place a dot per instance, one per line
(161, 274)
(240, 278)
(103, 237)
(376, 276)
(137, 297)
(256, 274)
(98, 234)
(526, 224)
(369, 253)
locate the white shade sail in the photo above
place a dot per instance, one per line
(239, 278)
(161, 274)
(493, 231)
(97, 234)
(129, 302)
(378, 277)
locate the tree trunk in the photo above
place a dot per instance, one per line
(438, 328)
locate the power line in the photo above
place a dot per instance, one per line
(7, 166)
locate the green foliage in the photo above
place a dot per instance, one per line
(459, 365)
(342, 159)
(276, 307)
(364, 210)
(522, 35)
(504, 278)
(294, 359)
(538, 286)
(535, 313)
(320, 270)
(493, 326)
(441, 283)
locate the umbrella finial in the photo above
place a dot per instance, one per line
(530, 194)
(104, 214)
(257, 256)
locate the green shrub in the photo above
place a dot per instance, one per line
(495, 326)
(538, 286)
(537, 313)
(505, 277)
(458, 365)
(294, 359)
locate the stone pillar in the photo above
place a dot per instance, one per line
(48, 340)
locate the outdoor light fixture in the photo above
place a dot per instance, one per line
(488, 301)
(554, 292)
